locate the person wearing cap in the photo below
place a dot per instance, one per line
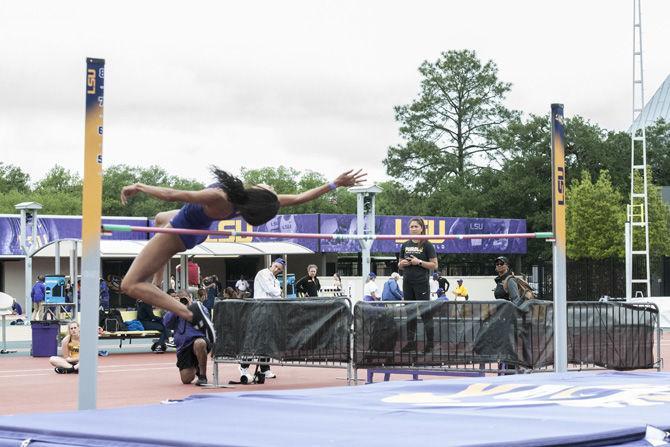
(512, 292)
(441, 295)
(370, 290)
(391, 290)
(460, 291)
(266, 284)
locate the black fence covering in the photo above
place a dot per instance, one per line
(286, 330)
(610, 335)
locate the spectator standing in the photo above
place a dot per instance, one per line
(309, 285)
(212, 291)
(266, 286)
(192, 346)
(443, 283)
(370, 290)
(337, 281)
(391, 291)
(104, 294)
(417, 258)
(37, 294)
(242, 286)
(460, 291)
(434, 284)
(506, 287)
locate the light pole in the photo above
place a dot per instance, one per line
(28, 246)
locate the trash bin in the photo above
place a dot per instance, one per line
(45, 338)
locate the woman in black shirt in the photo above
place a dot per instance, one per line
(309, 285)
(417, 259)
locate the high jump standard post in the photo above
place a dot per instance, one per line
(559, 248)
(90, 233)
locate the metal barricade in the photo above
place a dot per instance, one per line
(437, 337)
(303, 332)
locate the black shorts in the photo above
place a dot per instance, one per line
(186, 357)
(416, 291)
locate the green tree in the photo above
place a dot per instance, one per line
(595, 218)
(12, 178)
(60, 180)
(448, 128)
(291, 181)
(117, 176)
(659, 220)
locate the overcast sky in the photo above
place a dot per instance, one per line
(309, 84)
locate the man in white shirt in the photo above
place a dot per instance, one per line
(242, 286)
(265, 286)
(370, 290)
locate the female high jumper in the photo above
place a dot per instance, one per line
(224, 199)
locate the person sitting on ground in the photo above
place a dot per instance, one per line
(309, 285)
(152, 322)
(222, 200)
(460, 291)
(370, 290)
(441, 295)
(69, 361)
(191, 343)
(391, 290)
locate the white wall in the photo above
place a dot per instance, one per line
(480, 288)
(14, 279)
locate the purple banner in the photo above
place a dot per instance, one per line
(53, 228)
(285, 223)
(50, 229)
(346, 224)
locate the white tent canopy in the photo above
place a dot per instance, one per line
(130, 249)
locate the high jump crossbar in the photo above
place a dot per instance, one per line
(169, 230)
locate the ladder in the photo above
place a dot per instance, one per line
(637, 250)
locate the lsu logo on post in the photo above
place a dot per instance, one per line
(560, 185)
(90, 81)
(232, 225)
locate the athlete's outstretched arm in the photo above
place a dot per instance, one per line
(203, 196)
(348, 178)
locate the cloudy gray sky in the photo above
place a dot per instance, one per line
(307, 84)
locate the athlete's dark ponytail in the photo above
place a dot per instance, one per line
(256, 205)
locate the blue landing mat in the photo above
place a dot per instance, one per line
(603, 408)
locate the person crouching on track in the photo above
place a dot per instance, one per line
(192, 346)
(69, 362)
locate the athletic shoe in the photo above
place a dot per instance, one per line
(60, 370)
(245, 376)
(269, 374)
(202, 380)
(201, 320)
(170, 344)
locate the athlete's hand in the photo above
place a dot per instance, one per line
(350, 178)
(129, 191)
